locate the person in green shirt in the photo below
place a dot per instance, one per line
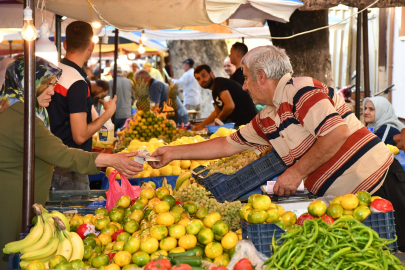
(49, 150)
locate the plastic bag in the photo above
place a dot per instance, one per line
(245, 249)
(115, 191)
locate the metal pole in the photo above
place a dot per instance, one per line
(29, 127)
(115, 68)
(10, 47)
(358, 65)
(99, 58)
(58, 35)
(365, 55)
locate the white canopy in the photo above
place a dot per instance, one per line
(130, 15)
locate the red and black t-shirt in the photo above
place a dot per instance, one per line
(72, 95)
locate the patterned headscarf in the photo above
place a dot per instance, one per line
(13, 86)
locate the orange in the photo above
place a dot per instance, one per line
(257, 216)
(220, 228)
(123, 236)
(261, 202)
(36, 265)
(184, 222)
(334, 211)
(148, 193)
(117, 214)
(131, 226)
(161, 207)
(222, 260)
(105, 238)
(100, 260)
(280, 209)
(101, 222)
(364, 198)
(165, 219)
(188, 241)
(153, 202)
(190, 207)
(150, 245)
(110, 229)
(170, 199)
(168, 243)
(140, 258)
(177, 208)
(124, 201)
(118, 246)
(336, 200)
(349, 202)
(361, 213)
(272, 215)
(205, 236)
(139, 204)
(88, 251)
(137, 215)
(250, 199)
(77, 264)
(122, 258)
(243, 209)
(210, 219)
(194, 227)
(230, 240)
(289, 218)
(61, 259)
(372, 198)
(162, 192)
(177, 231)
(112, 266)
(132, 245)
(159, 232)
(101, 211)
(317, 208)
(246, 213)
(87, 218)
(213, 250)
(177, 250)
(202, 212)
(347, 212)
(159, 254)
(116, 224)
(177, 216)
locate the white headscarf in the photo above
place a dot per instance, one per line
(384, 114)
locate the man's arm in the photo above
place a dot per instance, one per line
(208, 120)
(229, 105)
(212, 149)
(81, 131)
(183, 80)
(94, 114)
(400, 139)
(321, 152)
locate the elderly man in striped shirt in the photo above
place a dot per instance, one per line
(313, 131)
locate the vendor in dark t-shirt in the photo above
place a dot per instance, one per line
(232, 103)
(238, 50)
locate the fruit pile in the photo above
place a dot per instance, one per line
(260, 209)
(154, 226)
(50, 244)
(393, 149)
(346, 244)
(347, 206)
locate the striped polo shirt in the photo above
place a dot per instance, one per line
(307, 109)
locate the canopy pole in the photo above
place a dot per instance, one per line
(29, 127)
(99, 59)
(358, 65)
(115, 67)
(10, 46)
(58, 35)
(365, 55)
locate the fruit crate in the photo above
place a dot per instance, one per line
(14, 262)
(384, 225)
(82, 211)
(231, 187)
(213, 128)
(74, 195)
(261, 235)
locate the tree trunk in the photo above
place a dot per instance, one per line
(309, 54)
(210, 52)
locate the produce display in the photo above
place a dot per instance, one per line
(393, 149)
(346, 244)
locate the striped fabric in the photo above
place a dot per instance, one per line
(306, 110)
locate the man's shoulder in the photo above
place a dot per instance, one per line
(69, 76)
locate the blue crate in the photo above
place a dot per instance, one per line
(384, 225)
(261, 235)
(212, 128)
(14, 262)
(81, 211)
(231, 187)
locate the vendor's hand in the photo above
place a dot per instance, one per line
(125, 165)
(163, 154)
(169, 79)
(198, 128)
(287, 183)
(110, 106)
(400, 140)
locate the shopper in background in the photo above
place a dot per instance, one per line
(155, 73)
(238, 50)
(135, 69)
(70, 112)
(168, 68)
(99, 89)
(229, 67)
(191, 89)
(232, 104)
(379, 114)
(125, 98)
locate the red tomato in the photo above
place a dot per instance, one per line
(328, 219)
(159, 264)
(114, 236)
(304, 217)
(219, 268)
(183, 267)
(243, 264)
(134, 200)
(179, 203)
(111, 255)
(381, 205)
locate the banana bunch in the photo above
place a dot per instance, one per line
(185, 179)
(49, 237)
(165, 184)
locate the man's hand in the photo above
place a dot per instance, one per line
(125, 165)
(109, 106)
(198, 128)
(400, 139)
(287, 183)
(163, 154)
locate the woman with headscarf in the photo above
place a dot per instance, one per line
(379, 115)
(49, 150)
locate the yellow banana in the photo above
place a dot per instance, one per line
(78, 247)
(65, 246)
(46, 237)
(42, 253)
(170, 189)
(183, 177)
(55, 214)
(185, 183)
(29, 240)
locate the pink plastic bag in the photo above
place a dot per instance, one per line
(115, 191)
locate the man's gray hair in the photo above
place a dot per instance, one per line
(142, 74)
(272, 60)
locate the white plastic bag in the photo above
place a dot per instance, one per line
(245, 249)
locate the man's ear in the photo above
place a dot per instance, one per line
(91, 47)
(261, 76)
(64, 45)
(212, 74)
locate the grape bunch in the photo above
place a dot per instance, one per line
(229, 211)
(231, 165)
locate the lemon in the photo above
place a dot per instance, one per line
(175, 163)
(155, 173)
(230, 240)
(213, 136)
(185, 164)
(166, 171)
(222, 132)
(176, 170)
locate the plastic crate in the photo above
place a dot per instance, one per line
(261, 235)
(81, 211)
(14, 262)
(384, 225)
(231, 187)
(74, 195)
(212, 128)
